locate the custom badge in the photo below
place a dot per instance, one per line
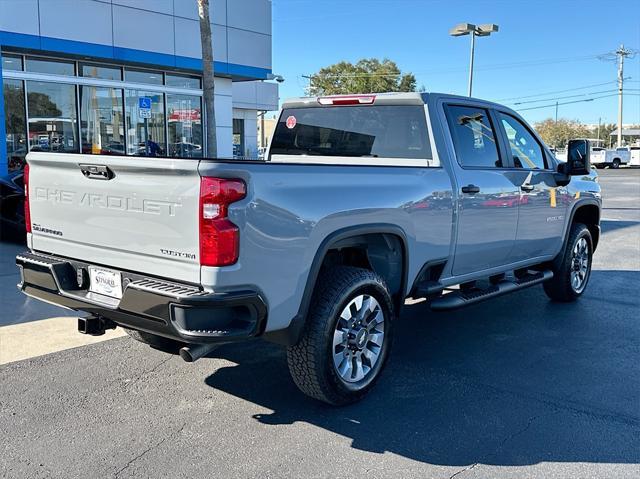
(292, 122)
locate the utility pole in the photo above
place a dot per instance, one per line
(556, 112)
(307, 89)
(621, 53)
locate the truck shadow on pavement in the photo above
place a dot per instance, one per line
(514, 381)
(609, 225)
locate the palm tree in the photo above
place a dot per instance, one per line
(208, 82)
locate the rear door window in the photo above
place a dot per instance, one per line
(473, 137)
(382, 131)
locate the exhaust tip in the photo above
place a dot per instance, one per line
(185, 354)
(193, 352)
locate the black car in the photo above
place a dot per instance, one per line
(12, 226)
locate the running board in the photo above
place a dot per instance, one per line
(461, 299)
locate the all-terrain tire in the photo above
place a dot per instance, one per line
(311, 360)
(573, 260)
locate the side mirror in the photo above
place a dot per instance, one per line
(578, 158)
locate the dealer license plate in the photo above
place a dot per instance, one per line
(105, 282)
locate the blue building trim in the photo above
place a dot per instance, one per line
(4, 161)
(119, 54)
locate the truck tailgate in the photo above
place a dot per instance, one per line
(143, 218)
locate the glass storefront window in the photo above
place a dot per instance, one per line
(52, 67)
(52, 117)
(16, 123)
(11, 62)
(60, 115)
(102, 120)
(185, 125)
(100, 71)
(183, 81)
(145, 136)
(238, 138)
(143, 76)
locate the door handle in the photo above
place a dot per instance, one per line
(96, 172)
(527, 187)
(471, 189)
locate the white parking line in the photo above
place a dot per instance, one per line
(37, 338)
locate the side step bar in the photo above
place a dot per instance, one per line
(460, 299)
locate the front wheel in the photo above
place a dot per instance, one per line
(347, 337)
(572, 271)
(616, 164)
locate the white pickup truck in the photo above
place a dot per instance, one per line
(601, 157)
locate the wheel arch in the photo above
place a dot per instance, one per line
(587, 213)
(387, 254)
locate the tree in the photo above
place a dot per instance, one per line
(557, 134)
(605, 133)
(14, 108)
(41, 106)
(208, 80)
(369, 75)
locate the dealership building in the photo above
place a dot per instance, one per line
(123, 77)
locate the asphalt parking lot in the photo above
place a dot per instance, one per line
(514, 387)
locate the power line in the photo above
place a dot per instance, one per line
(553, 105)
(559, 91)
(572, 96)
(564, 97)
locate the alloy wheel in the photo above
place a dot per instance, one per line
(580, 265)
(358, 338)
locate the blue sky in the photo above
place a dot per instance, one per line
(543, 46)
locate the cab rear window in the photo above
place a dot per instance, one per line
(383, 131)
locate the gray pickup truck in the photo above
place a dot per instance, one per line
(361, 202)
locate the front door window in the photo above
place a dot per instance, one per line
(526, 151)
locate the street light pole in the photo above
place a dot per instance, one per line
(475, 31)
(473, 54)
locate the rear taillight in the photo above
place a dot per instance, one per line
(27, 208)
(219, 237)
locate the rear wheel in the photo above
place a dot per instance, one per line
(347, 337)
(573, 270)
(616, 164)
